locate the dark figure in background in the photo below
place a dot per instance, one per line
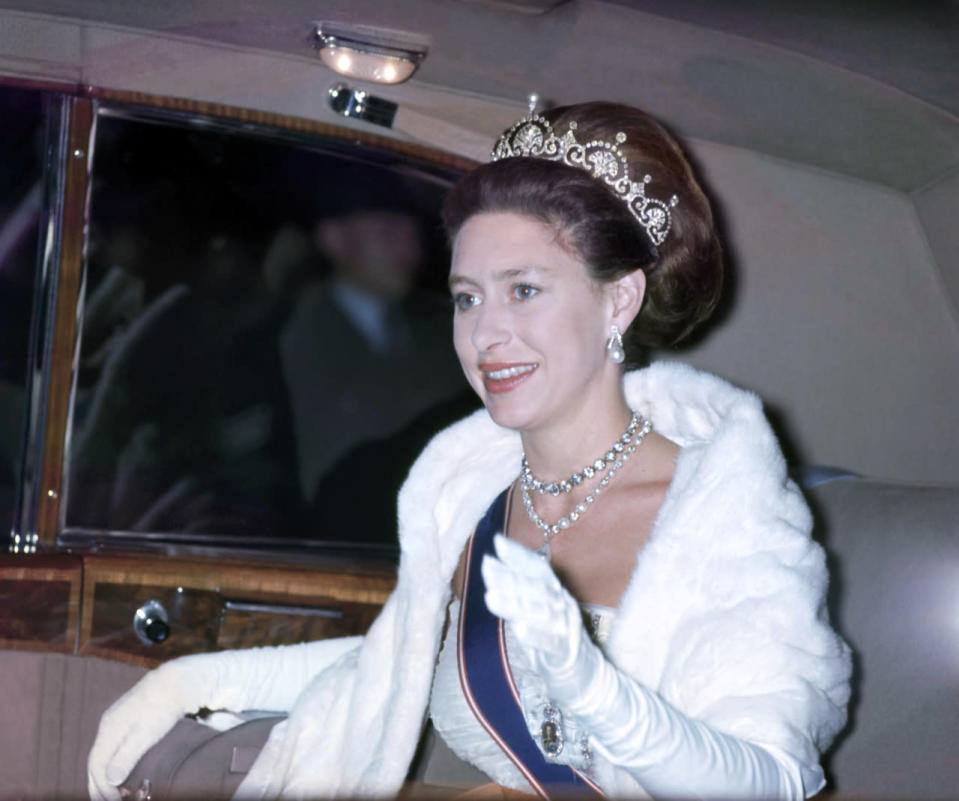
(366, 351)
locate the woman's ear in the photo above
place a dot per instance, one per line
(627, 295)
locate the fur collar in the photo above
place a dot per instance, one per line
(724, 615)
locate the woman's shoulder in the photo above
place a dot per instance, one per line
(721, 429)
(688, 405)
(730, 492)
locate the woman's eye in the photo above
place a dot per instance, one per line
(464, 300)
(524, 291)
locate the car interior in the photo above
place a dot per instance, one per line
(224, 323)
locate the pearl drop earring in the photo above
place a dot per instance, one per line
(614, 345)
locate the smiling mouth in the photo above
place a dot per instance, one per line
(509, 372)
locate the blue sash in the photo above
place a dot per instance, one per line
(486, 677)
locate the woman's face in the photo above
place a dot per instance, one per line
(530, 324)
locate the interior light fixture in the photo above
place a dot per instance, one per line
(366, 53)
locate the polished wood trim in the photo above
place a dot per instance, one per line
(282, 121)
(70, 274)
(286, 581)
(38, 566)
(33, 572)
(41, 84)
(201, 589)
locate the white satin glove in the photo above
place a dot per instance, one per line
(669, 753)
(251, 679)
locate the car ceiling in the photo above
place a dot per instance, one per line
(867, 88)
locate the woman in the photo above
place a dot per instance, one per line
(657, 500)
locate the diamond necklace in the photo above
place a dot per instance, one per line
(614, 459)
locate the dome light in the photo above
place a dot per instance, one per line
(369, 54)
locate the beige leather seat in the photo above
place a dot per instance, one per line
(894, 552)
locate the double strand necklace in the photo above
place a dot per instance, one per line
(613, 460)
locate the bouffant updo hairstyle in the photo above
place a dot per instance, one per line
(684, 273)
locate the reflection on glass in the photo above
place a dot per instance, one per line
(264, 346)
(21, 205)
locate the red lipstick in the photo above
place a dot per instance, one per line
(500, 377)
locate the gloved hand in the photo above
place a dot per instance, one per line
(669, 753)
(256, 678)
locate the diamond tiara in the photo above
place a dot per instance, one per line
(533, 137)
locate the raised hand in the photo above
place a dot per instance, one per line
(669, 753)
(522, 588)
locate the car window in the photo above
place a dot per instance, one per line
(265, 336)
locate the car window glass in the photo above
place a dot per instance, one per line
(265, 337)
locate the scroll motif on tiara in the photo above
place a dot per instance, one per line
(533, 137)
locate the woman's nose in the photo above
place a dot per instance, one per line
(491, 327)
